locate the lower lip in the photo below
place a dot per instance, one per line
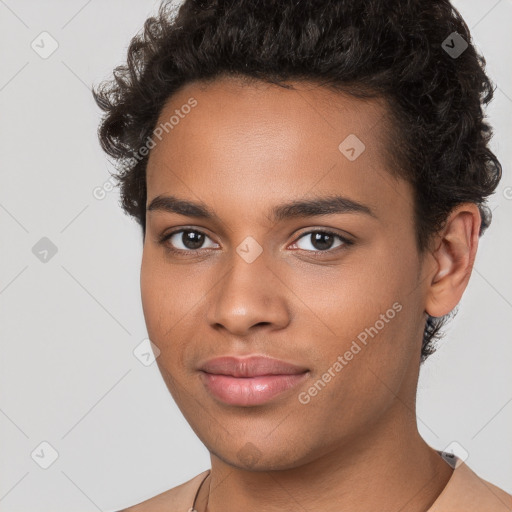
(247, 391)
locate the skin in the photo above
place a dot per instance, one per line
(242, 150)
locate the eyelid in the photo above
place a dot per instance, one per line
(346, 242)
(162, 239)
(345, 236)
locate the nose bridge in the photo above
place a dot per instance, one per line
(250, 292)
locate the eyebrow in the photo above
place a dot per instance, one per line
(329, 205)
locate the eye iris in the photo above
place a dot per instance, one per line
(192, 239)
(322, 245)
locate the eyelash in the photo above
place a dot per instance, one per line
(193, 252)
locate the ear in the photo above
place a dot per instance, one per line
(454, 256)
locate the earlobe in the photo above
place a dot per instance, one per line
(454, 258)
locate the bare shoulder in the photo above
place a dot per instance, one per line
(177, 499)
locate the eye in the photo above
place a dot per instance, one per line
(185, 240)
(191, 241)
(322, 241)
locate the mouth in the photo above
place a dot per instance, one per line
(250, 381)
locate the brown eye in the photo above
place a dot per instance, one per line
(192, 239)
(186, 240)
(322, 241)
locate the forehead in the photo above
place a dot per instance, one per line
(256, 140)
(233, 110)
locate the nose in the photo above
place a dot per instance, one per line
(249, 295)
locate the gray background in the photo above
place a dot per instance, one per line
(68, 375)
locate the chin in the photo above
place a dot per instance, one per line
(253, 458)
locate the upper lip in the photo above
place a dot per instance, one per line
(252, 366)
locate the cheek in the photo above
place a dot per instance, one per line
(365, 286)
(163, 297)
(373, 302)
(150, 294)
(161, 302)
(170, 297)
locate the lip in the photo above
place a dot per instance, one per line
(250, 381)
(250, 366)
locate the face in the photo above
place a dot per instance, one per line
(333, 288)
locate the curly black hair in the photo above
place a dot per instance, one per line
(418, 56)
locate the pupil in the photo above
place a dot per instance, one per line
(319, 244)
(192, 239)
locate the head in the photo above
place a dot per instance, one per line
(330, 162)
